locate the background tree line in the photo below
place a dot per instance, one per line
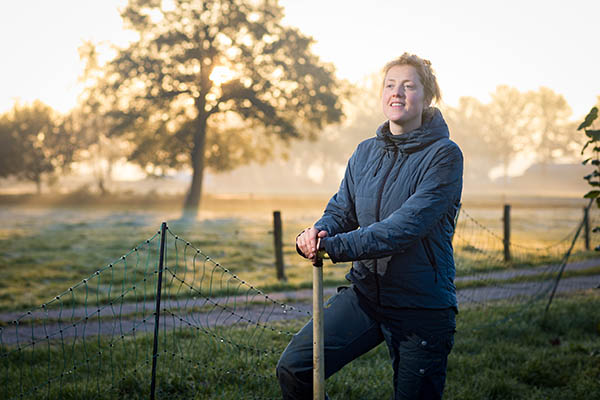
(492, 134)
(160, 103)
(38, 143)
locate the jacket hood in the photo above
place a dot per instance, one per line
(433, 128)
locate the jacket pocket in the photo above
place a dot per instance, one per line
(430, 256)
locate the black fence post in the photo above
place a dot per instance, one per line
(565, 260)
(506, 219)
(586, 227)
(277, 235)
(161, 260)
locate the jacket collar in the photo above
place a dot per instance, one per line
(433, 129)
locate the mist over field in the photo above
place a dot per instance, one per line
(530, 150)
(293, 178)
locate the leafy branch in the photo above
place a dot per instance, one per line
(593, 139)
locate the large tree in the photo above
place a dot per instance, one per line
(491, 133)
(215, 83)
(553, 135)
(512, 123)
(506, 125)
(39, 141)
(466, 123)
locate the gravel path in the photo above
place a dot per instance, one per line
(119, 320)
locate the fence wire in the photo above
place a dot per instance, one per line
(219, 335)
(485, 278)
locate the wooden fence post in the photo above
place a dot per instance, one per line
(318, 338)
(278, 234)
(586, 227)
(506, 219)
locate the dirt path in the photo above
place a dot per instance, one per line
(545, 269)
(125, 319)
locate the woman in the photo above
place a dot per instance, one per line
(393, 217)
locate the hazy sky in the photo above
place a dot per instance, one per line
(474, 45)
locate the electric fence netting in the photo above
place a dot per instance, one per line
(95, 339)
(486, 276)
(167, 320)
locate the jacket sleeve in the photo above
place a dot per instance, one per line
(439, 189)
(340, 215)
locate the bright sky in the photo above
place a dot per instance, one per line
(474, 45)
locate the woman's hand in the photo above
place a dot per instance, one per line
(308, 240)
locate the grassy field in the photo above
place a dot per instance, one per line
(45, 250)
(529, 355)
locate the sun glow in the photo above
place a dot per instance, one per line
(221, 74)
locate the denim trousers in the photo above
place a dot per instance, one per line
(418, 341)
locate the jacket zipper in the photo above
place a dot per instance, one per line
(377, 213)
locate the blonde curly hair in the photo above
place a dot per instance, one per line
(425, 71)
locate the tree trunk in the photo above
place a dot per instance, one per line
(192, 200)
(101, 186)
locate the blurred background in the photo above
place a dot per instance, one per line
(269, 98)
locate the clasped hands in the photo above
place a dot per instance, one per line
(309, 242)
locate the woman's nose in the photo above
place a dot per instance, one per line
(399, 92)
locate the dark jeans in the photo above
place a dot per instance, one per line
(418, 341)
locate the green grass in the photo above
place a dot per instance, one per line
(524, 355)
(529, 356)
(592, 271)
(42, 254)
(45, 251)
(502, 351)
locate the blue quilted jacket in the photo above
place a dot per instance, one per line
(393, 216)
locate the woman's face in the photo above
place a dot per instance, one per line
(403, 98)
